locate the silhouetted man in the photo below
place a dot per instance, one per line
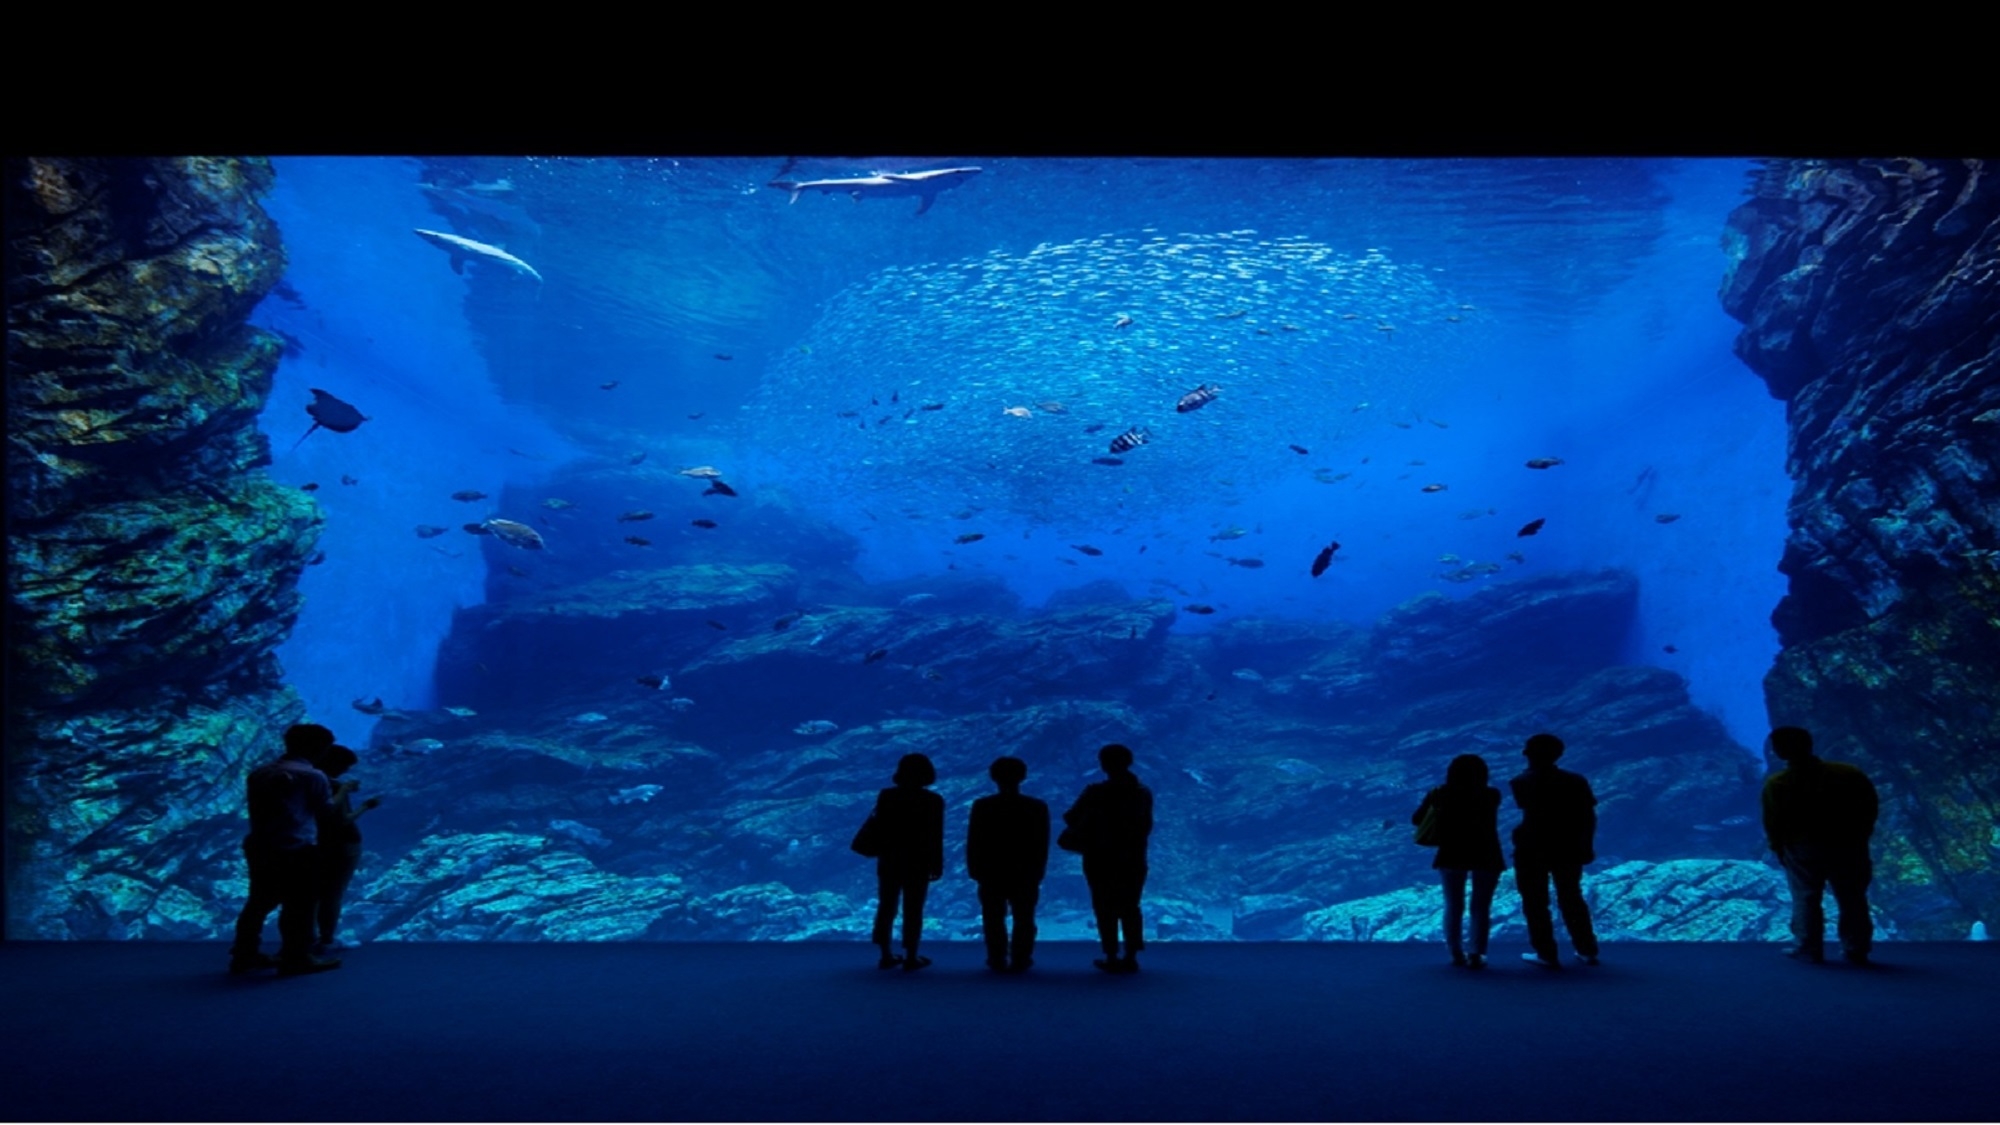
(1112, 821)
(286, 798)
(1553, 842)
(1818, 817)
(1006, 853)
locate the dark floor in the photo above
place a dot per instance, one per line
(158, 1032)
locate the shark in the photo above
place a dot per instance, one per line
(888, 185)
(461, 249)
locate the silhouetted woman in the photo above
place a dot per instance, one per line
(1468, 833)
(1111, 823)
(910, 820)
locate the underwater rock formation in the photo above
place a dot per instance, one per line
(1867, 291)
(152, 567)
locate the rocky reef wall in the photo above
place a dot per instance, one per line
(1869, 291)
(152, 567)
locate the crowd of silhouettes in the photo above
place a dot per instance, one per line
(304, 845)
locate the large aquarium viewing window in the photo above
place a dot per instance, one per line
(632, 518)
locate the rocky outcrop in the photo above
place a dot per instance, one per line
(1867, 290)
(152, 568)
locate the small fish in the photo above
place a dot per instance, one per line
(638, 793)
(516, 571)
(1324, 560)
(1545, 462)
(785, 622)
(724, 356)
(1248, 675)
(814, 643)
(1204, 610)
(1112, 461)
(345, 479)
(1093, 427)
(815, 726)
(607, 386)
(717, 488)
(679, 703)
(1247, 564)
(1299, 449)
(635, 458)
(1669, 649)
(1227, 534)
(477, 529)
(1131, 439)
(1122, 322)
(1449, 559)
(1018, 412)
(703, 523)
(1086, 549)
(429, 531)
(1434, 488)
(1531, 527)
(1666, 517)
(556, 504)
(1196, 399)
(1438, 424)
(970, 537)
(1239, 314)
(1400, 425)
(714, 624)
(1052, 407)
(1517, 556)
(516, 534)
(657, 683)
(848, 414)
(635, 516)
(638, 541)
(697, 414)
(1417, 462)
(877, 654)
(461, 712)
(931, 406)
(313, 487)
(422, 746)
(590, 718)
(1473, 513)
(916, 600)
(468, 495)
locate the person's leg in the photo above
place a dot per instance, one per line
(993, 923)
(1129, 916)
(887, 891)
(915, 889)
(337, 872)
(1575, 910)
(1023, 900)
(266, 892)
(1533, 882)
(301, 875)
(1808, 886)
(1103, 905)
(1453, 880)
(1484, 883)
(1849, 877)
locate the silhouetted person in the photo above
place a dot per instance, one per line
(1554, 841)
(1007, 853)
(911, 821)
(339, 842)
(285, 799)
(1468, 833)
(1818, 817)
(1112, 821)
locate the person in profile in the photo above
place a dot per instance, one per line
(286, 798)
(339, 843)
(1554, 841)
(1818, 818)
(1110, 824)
(1467, 812)
(1007, 853)
(910, 823)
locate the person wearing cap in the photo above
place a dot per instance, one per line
(1818, 818)
(1554, 841)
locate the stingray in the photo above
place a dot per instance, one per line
(335, 415)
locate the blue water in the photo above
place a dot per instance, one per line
(1469, 315)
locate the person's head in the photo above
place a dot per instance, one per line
(1116, 758)
(1543, 750)
(1791, 744)
(336, 760)
(1008, 773)
(914, 769)
(308, 741)
(1467, 771)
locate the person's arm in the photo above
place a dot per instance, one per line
(1871, 803)
(975, 843)
(937, 837)
(1424, 806)
(1769, 801)
(1039, 859)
